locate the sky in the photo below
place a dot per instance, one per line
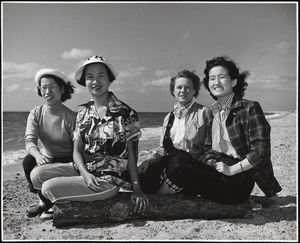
(150, 42)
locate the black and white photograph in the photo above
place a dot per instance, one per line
(149, 121)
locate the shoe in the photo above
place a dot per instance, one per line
(47, 214)
(38, 210)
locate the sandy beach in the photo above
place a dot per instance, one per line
(275, 221)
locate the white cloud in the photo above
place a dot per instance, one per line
(78, 90)
(122, 57)
(71, 77)
(271, 86)
(161, 73)
(283, 48)
(142, 90)
(13, 70)
(27, 90)
(131, 72)
(115, 89)
(275, 82)
(12, 87)
(77, 54)
(157, 82)
(186, 35)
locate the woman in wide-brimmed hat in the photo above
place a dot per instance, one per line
(105, 144)
(52, 124)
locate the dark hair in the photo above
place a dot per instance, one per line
(190, 75)
(110, 75)
(233, 72)
(68, 88)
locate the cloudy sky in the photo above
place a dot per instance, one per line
(149, 43)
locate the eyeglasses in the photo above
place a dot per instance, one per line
(50, 87)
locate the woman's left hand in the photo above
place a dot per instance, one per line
(140, 200)
(223, 168)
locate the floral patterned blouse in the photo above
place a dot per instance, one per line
(105, 140)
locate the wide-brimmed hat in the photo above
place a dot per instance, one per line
(94, 59)
(50, 71)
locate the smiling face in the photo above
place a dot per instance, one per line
(183, 91)
(51, 91)
(220, 83)
(96, 79)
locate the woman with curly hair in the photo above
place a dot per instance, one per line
(185, 137)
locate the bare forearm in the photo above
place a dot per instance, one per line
(132, 167)
(241, 166)
(79, 161)
(34, 151)
(78, 156)
(237, 168)
(31, 145)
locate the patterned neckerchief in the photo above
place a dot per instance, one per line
(179, 110)
(217, 107)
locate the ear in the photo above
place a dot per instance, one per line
(194, 92)
(233, 83)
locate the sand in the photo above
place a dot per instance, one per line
(276, 221)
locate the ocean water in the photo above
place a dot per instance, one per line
(14, 126)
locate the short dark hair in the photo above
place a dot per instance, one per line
(233, 72)
(186, 74)
(68, 87)
(110, 75)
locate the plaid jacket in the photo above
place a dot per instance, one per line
(249, 133)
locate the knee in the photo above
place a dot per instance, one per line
(178, 161)
(29, 162)
(36, 177)
(46, 189)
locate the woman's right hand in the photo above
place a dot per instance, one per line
(91, 181)
(42, 159)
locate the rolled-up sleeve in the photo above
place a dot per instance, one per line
(78, 122)
(132, 126)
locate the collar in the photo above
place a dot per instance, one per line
(178, 111)
(114, 107)
(236, 102)
(217, 106)
(53, 109)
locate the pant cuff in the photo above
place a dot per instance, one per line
(170, 184)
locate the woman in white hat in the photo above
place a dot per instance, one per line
(52, 124)
(105, 144)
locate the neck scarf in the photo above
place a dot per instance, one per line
(178, 111)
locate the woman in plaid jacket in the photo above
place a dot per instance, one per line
(241, 148)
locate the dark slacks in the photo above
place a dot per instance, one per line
(196, 178)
